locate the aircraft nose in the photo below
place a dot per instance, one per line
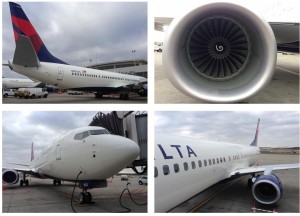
(120, 151)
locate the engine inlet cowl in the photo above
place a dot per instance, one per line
(267, 189)
(219, 52)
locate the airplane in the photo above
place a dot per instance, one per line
(87, 155)
(223, 52)
(14, 83)
(186, 166)
(32, 59)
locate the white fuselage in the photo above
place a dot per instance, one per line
(97, 156)
(74, 77)
(13, 83)
(193, 166)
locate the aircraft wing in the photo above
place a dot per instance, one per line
(286, 34)
(267, 169)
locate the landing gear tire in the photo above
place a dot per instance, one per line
(98, 95)
(250, 183)
(85, 197)
(124, 96)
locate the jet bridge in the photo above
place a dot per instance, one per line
(132, 125)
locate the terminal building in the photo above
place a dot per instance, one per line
(136, 67)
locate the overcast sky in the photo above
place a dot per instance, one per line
(277, 129)
(270, 10)
(78, 32)
(20, 129)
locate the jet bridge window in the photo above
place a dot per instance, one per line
(166, 169)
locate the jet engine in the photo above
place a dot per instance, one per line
(267, 189)
(219, 52)
(10, 176)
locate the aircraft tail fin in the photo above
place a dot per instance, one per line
(32, 153)
(254, 142)
(22, 26)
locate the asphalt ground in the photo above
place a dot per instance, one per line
(43, 197)
(55, 98)
(234, 196)
(283, 88)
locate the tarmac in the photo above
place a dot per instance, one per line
(234, 196)
(55, 98)
(283, 88)
(43, 197)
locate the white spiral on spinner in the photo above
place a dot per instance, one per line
(219, 48)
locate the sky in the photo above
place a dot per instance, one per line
(20, 129)
(78, 32)
(270, 10)
(277, 129)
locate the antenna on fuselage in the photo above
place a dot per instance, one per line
(254, 142)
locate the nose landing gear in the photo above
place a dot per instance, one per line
(85, 197)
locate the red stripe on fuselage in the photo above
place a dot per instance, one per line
(27, 28)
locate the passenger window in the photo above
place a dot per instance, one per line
(199, 163)
(221, 160)
(176, 168)
(186, 166)
(224, 159)
(193, 165)
(166, 169)
(217, 160)
(205, 163)
(209, 161)
(155, 172)
(213, 161)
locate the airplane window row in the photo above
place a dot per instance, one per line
(176, 167)
(85, 134)
(104, 77)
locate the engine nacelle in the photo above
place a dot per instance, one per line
(267, 189)
(220, 52)
(10, 176)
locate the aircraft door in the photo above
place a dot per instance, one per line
(58, 151)
(60, 74)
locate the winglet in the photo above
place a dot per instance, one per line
(254, 142)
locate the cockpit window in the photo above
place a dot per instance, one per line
(85, 134)
(98, 132)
